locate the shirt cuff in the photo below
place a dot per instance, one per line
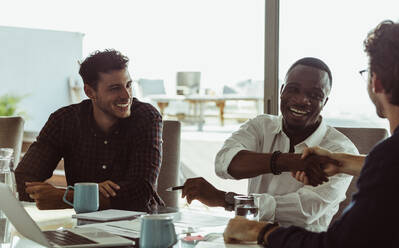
(223, 160)
(267, 207)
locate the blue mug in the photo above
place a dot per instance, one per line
(85, 197)
(157, 231)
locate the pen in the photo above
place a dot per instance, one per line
(174, 188)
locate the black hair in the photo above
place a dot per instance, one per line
(101, 61)
(313, 62)
(382, 47)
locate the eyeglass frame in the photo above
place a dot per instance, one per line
(364, 74)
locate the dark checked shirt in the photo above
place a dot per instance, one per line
(129, 155)
(371, 220)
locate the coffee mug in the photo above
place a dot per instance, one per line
(85, 197)
(157, 231)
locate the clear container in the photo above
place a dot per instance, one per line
(6, 177)
(246, 206)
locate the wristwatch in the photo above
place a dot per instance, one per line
(229, 200)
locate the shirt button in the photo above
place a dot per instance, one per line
(104, 167)
(105, 142)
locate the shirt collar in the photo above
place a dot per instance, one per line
(278, 128)
(313, 140)
(95, 129)
(317, 136)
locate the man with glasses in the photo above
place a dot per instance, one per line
(371, 218)
(266, 148)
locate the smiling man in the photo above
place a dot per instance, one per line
(111, 138)
(370, 220)
(266, 148)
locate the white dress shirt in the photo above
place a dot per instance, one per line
(281, 197)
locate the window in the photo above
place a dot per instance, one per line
(334, 31)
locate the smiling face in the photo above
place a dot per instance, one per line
(303, 97)
(113, 97)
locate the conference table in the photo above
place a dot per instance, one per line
(199, 101)
(53, 219)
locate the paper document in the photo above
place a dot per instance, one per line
(199, 219)
(126, 228)
(108, 215)
(219, 243)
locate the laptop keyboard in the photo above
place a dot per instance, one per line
(65, 237)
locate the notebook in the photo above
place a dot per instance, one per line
(79, 237)
(108, 215)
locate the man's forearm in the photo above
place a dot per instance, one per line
(247, 164)
(351, 164)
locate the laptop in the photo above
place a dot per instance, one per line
(78, 237)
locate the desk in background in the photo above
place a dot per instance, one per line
(199, 102)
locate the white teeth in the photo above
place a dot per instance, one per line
(298, 111)
(122, 105)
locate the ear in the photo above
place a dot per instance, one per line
(89, 91)
(376, 84)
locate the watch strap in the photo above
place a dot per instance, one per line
(263, 231)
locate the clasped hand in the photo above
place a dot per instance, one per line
(47, 196)
(320, 163)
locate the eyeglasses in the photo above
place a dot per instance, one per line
(364, 74)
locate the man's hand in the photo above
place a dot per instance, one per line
(301, 177)
(331, 166)
(46, 195)
(108, 188)
(199, 189)
(240, 229)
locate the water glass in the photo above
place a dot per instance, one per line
(6, 177)
(246, 206)
(6, 159)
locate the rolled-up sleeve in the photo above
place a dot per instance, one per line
(246, 138)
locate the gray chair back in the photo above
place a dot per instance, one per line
(151, 87)
(364, 139)
(11, 134)
(169, 175)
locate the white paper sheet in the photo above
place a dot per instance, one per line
(126, 228)
(219, 243)
(108, 215)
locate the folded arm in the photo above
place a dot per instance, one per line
(138, 188)
(42, 157)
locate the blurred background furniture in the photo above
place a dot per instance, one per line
(169, 175)
(188, 82)
(149, 88)
(364, 139)
(11, 135)
(199, 105)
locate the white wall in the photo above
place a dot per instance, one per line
(38, 63)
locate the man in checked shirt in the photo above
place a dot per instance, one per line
(112, 139)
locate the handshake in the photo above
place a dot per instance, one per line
(315, 166)
(312, 167)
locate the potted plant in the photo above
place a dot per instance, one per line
(9, 105)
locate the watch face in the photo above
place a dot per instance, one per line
(229, 198)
